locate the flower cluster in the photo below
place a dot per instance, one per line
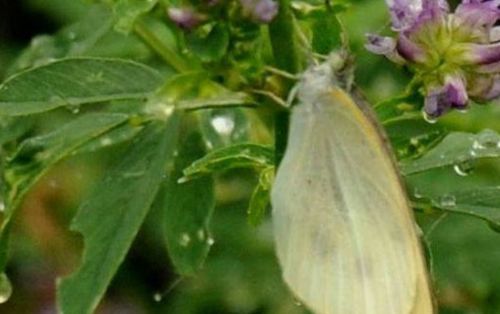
(188, 18)
(455, 55)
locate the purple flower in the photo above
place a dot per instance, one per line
(185, 17)
(456, 55)
(262, 11)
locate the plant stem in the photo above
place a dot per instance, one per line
(283, 39)
(168, 55)
(286, 57)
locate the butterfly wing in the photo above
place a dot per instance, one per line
(345, 235)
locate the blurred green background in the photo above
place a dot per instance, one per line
(241, 275)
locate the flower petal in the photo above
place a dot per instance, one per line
(410, 50)
(456, 93)
(186, 18)
(262, 11)
(406, 14)
(478, 13)
(383, 46)
(452, 94)
(434, 106)
(481, 54)
(494, 91)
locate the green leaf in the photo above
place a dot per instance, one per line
(236, 156)
(126, 12)
(75, 81)
(210, 42)
(115, 136)
(35, 156)
(74, 40)
(187, 209)
(111, 217)
(326, 32)
(479, 202)
(457, 149)
(259, 202)
(411, 136)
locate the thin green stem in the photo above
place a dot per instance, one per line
(168, 55)
(283, 39)
(286, 57)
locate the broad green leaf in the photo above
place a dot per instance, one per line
(187, 209)
(210, 42)
(126, 12)
(112, 215)
(194, 90)
(114, 136)
(74, 40)
(457, 149)
(236, 156)
(76, 81)
(13, 128)
(36, 155)
(259, 202)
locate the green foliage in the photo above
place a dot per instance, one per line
(236, 156)
(126, 12)
(112, 215)
(188, 130)
(73, 82)
(187, 208)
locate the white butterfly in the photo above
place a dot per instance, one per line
(344, 232)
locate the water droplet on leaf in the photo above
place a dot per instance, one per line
(429, 118)
(417, 193)
(447, 200)
(157, 297)
(464, 168)
(5, 288)
(105, 141)
(210, 241)
(223, 124)
(487, 139)
(201, 234)
(185, 239)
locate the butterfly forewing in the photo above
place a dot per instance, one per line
(345, 235)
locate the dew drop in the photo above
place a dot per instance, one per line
(487, 139)
(105, 141)
(185, 239)
(430, 119)
(417, 193)
(71, 35)
(201, 234)
(157, 297)
(209, 144)
(223, 124)
(447, 200)
(464, 168)
(5, 288)
(210, 241)
(182, 180)
(57, 101)
(2, 206)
